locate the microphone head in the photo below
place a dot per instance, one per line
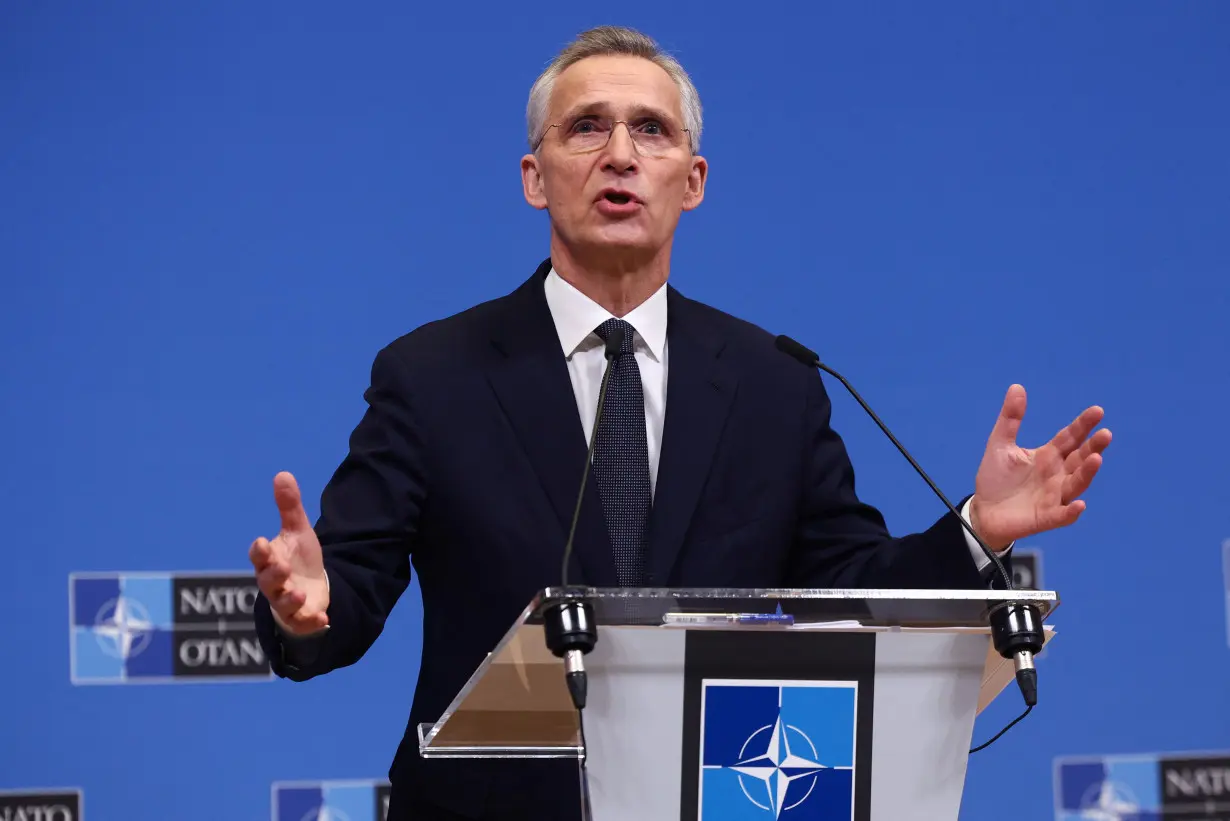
(614, 341)
(796, 349)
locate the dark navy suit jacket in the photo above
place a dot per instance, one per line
(465, 469)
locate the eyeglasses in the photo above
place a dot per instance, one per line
(652, 138)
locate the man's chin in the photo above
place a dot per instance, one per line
(625, 245)
(621, 238)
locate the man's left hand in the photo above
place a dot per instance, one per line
(1020, 491)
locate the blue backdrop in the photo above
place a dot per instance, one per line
(213, 215)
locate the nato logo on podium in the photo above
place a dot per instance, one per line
(153, 628)
(777, 749)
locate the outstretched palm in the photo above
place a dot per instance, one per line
(1021, 491)
(290, 569)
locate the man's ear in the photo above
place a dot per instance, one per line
(531, 182)
(696, 183)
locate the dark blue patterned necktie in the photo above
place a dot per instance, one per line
(621, 460)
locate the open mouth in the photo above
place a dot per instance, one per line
(618, 199)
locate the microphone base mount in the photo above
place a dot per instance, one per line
(568, 622)
(1016, 632)
(571, 632)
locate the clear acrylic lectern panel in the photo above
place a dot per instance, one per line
(516, 705)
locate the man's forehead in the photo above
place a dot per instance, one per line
(616, 82)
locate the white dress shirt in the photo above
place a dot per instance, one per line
(576, 316)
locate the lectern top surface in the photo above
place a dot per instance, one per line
(869, 607)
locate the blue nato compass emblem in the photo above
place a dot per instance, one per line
(1108, 790)
(330, 801)
(777, 749)
(122, 628)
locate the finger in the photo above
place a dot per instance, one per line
(1078, 482)
(1066, 515)
(316, 621)
(274, 580)
(264, 553)
(290, 505)
(260, 554)
(288, 604)
(1097, 443)
(1010, 416)
(1071, 437)
(306, 623)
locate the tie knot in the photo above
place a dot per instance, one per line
(607, 328)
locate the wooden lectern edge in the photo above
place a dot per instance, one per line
(998, 671)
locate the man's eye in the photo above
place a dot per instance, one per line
(653, 127)
(584, 127)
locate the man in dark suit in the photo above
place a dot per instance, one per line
(714, 465)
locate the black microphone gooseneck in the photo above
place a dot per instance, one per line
(568, 622)
(1016, 627)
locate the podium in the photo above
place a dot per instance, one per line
(728, 704)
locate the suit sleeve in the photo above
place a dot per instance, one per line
(843, 542)
(369, 516)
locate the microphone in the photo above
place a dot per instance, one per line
(1016, 627)
(569, 623)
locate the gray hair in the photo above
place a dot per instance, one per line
(603, 41)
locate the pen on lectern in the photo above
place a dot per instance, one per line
(723, 619)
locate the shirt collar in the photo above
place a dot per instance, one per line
(576, 316)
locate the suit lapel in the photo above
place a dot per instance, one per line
(699, 392)
(531, 382)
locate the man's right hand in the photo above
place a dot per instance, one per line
(290, 570)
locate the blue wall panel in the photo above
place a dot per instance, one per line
(213, 215)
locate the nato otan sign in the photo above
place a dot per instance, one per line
(40, 805)
(149, 628)
(331, 800)
(1186, 786)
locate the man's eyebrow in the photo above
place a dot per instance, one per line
(598, 107)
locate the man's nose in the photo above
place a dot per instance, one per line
(620, 148)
